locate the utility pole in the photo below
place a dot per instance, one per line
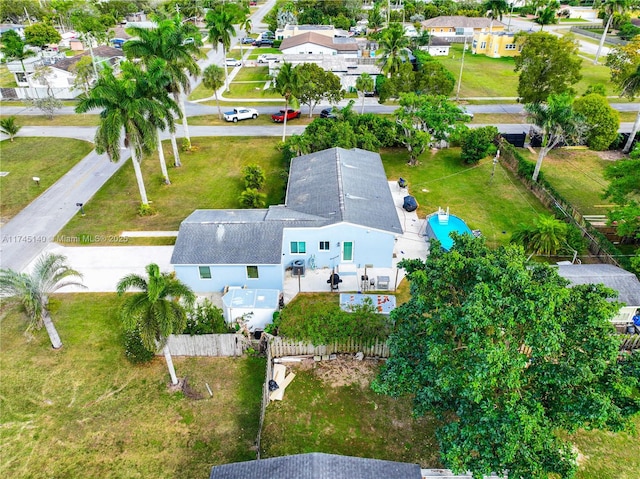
(464, 49)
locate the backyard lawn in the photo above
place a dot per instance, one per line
(495, 206)
(55, 157)
(85, 411)
(83, 119)
(483, 76)
(209, 178)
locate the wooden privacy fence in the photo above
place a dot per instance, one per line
(278, 347)
(630, 342)
(208, 345)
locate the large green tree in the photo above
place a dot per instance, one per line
(601, 120)
(494, 10)
(168, 41)
(546, 13)
(13, 48)
(556, 122)
(624, 64)
(547, 64)
(287, 83)
(126, 106)
(41, 34)
(624, 189)
(156, 309)
(393, 49)
(213, 78)
(317, 85)
(221, 29)
(50, 273)
(506, 356)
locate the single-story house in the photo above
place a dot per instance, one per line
(338, 212)
(313, 43)
(317, 465)
(460, 26)
(438, 47)
(292, 30)
(496, 44)
(5, 27)
(618, 279)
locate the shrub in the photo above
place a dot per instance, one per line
(134, 350)
(205, 318)
(253, 177)
(146, 210)
(602, 120)
(252, 198)
(477, 143)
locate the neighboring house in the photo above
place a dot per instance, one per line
(437, 47)
(496, 44)
(459, 26)
(618, 279)
(313, 43)
(326, 30)
(338, 210)
(19, 29)
(317, 466)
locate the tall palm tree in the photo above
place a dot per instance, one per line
(393, 45)
(221, 30)
(610, 7)
(126, 105)
(49, 274)
(245, 25)
(287, 84)
(13, 48)
(155, 309)
(557, 122)
(495, 9)
(630, 88)
(169, 41)
(364, 83)
(213, 77)
(624, 63)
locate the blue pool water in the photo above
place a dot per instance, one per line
(441, 231)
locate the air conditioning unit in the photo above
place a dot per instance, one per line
(298, 268)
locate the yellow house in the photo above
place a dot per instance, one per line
(496, 44)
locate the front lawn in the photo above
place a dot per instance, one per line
(495, 206)
(209, 178)
(85, 411)
(84, 119)
(27, 157)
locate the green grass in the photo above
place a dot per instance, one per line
(483, 76)
(253, 74)
(209, 178)
(265, 119)
(84, 411)
(84, 119)
(26, 157)
(7, 80)
(348, 419)
(494, 207)
(251, 90)
(578, 176)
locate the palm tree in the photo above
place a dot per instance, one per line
(557, 122)
(126, 105)
(49, 274)
(495, 9)
(548, 236)
(287, 84)
(155, 309)
(213, 77)
(245, 25)
(9, 127)
(610, 7)
(364, 83)
(393, 45)
(13, 48)
(221, 30)
(169, 42)
(547, 14)
(624, 62)
(630, 88)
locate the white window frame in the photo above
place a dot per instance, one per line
(323, 243)
(200, 268)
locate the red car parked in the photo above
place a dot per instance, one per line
(291, 114)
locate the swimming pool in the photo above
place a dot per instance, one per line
(440, 230)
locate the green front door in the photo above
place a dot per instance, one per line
(347, 251)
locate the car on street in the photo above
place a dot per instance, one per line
(247, 40)
(328, 113)
(232, 62)
(238, 114)
(465, 115)
(291, 114)
(263, 42)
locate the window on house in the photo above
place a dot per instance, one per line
(252, 272)
(510, 46)
(298, 247)
(21, 77)
(483, 45)
(324, 246)
(205, 272)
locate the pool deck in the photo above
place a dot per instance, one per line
(411, 244)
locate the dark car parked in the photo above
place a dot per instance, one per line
(264, 42)
(328, 113)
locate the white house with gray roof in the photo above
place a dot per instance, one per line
(338, 211)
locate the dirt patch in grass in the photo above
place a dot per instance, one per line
(612, 155)
(343, 371)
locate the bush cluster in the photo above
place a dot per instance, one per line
(134, 350)
(205, 318)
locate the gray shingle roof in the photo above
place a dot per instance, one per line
(317, 466)
(100, 52)
(339, 44)
(236, 236)
(459, 21)
(343, 185)
(611, 276)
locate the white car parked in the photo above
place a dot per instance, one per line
(240, 114)
(232, 62)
